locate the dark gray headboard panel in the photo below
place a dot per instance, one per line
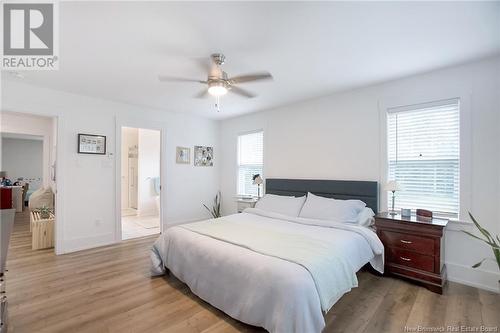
(366, 191)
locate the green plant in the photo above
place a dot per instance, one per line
(44, 212)
(490, 240)
(215, 211)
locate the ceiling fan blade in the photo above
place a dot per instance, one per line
(166, 78)
(251, 77)
(242, 92)
(202, 94)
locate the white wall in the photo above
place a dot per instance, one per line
(87, 183)
(342, 136)
(23, 158)
(34, 125)
(149, 168)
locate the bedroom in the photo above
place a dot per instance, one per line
(337, 69)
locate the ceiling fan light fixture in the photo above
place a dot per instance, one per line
(218, 83)
(217, 89)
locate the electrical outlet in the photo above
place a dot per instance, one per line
(98, 222)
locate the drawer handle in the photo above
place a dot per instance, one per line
(405, 241)
(405, 259)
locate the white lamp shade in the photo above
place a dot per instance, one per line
(258, 180)
(392, 186)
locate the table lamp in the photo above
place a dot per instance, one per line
(257, 180)
(392, 186)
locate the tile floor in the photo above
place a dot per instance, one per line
(134, 226)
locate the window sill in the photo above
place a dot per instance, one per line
(246, 197)
(459, 225)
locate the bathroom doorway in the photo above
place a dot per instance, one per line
(140, 182)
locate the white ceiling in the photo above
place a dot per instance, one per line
(115, 50)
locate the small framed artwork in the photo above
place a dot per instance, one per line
(91, 144)
(183, 155)
(203, 156)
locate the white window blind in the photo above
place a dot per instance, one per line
(424, 155)
(250, 161)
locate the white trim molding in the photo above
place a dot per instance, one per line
(474, 277)
(145, 124)
(85, 243)
(465, 98)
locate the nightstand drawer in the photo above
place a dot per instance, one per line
(410, 259)
(410, 242)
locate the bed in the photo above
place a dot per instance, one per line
(273, 270)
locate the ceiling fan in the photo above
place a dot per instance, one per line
(219, 83)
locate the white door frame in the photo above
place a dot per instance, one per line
(60, 201)
(145, 124)
(59, 189)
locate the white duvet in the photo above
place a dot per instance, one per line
(266, 269)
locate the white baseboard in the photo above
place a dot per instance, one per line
(473, 277)
(85, 243)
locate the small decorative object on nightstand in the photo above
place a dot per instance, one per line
(243, 203)
(392, 186)
(424, 213)
(414, 248)
(405, 212)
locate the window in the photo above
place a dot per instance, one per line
(424, 155)
(250, 161)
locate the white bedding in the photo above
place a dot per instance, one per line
(273, 286)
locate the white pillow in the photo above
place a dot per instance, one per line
(280, 204)
(365, 218)
(335, 210)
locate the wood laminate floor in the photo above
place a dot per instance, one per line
(109, 290)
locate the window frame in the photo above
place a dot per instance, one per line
(238, 157)
(424, 96)
(421, 106)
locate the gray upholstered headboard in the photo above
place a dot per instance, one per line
(366, 191)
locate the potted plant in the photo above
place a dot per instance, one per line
(493, 242)
(215, 211)
(44, 212)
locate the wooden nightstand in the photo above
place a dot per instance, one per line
(414, 248)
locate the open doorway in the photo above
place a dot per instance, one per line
(140, 182)
(28, 175)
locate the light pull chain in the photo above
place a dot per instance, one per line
(217, 103)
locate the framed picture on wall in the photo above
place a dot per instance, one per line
(183, 155)
(91, 144)
(203, 156)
